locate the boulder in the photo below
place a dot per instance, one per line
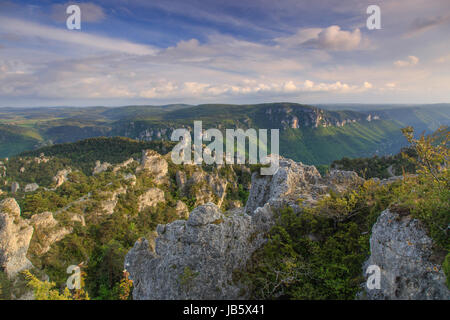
(402, 250)
(15, 237)
(15, 187)
(61, 177)
(31, 187)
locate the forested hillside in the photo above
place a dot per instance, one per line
(307, 133)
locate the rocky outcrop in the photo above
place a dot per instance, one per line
(100, 167)
(284, 187)
(31, 187)
(15, 187)
(150, 198)
(339, 180)
(295, 181)
(296, 116)
(2, 169)
(195, 259)
(181, 179)
(153, 163)
(108, 205)
(15, 237)
(205, 187)
(47, 231)
(130, 178)
(182, 210)
(402, 250)
(61, 177)
(123, 165)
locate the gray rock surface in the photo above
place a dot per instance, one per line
(15, 237)
(195, 259)
(31, 187)
(15, 187)
(295, 181)
(402, 250)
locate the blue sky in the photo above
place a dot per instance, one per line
(247, 51)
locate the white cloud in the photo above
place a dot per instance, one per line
(367, 85)
(290, 86)
(391, 85)
(332, 38)
(80, 38)
(410, 61)
(443, 59)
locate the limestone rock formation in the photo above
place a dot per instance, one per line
(180, 177)
(15, 187)
(153, 163)
(182, 210)
(295, 181)
(123, 165)
(207, 187)
(108, 205)
(195, 259)
(61, 177)
(100, 167)
(2, 169)
(130, 178)
(31, 187)
(47, 231)
(15, 237)
(402, 250)
(339, 180)
(150, 198)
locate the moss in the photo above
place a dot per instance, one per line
(187, 277)
(218, 221)
(446, 267)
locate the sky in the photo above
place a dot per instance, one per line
(223, 51)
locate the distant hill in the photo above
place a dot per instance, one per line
(311, 134)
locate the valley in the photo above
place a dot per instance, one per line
(309, 134)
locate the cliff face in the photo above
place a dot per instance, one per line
(402, 250)
(278, 115)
